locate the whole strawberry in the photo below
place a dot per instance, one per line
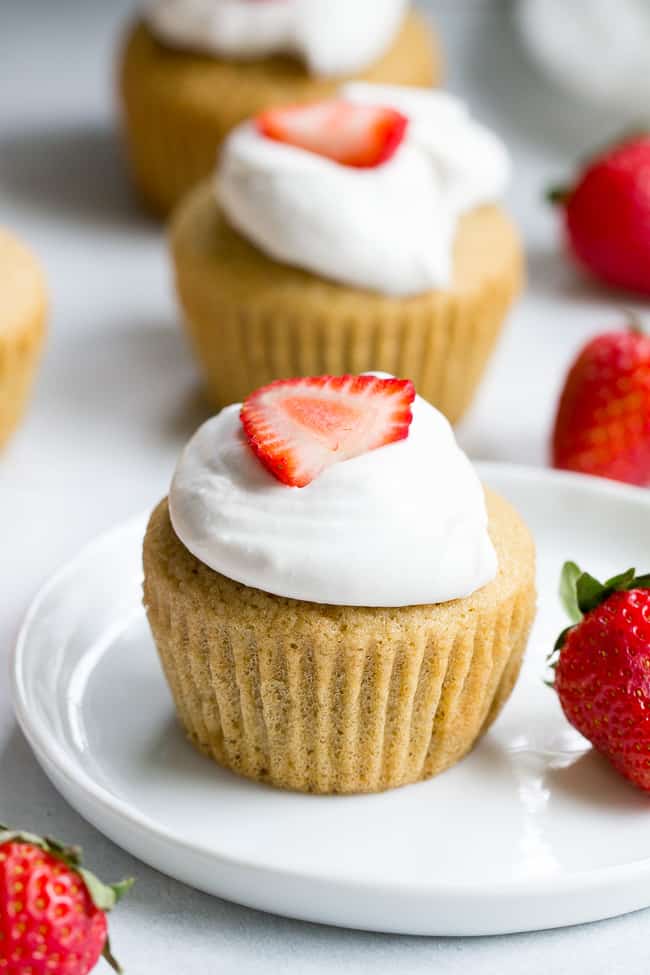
(607, 215)
(602, 425)
(52, 910)
(602, 666)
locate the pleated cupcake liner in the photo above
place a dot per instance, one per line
(379, 709)
(251, 320)
(177, 108)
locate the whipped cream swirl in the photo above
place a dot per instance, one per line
(400, 525)
(332, 37)
(390, 228)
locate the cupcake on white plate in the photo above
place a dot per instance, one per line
(337, 603)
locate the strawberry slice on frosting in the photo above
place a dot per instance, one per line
(300, 427)
(349, 133)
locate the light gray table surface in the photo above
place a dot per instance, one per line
(117, 397)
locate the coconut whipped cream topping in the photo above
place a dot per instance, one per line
(390, 228)
(332, 37)
(400, 525)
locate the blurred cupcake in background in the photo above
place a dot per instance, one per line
(192, 69)
(358, 233)
(22, 328)
(594, 48)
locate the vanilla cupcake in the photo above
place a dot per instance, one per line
(337, 605)
(193, 69)
(352, 234)
(22, 328)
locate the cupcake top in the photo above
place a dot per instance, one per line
(366, 190)
(348, 491)
(332, 37)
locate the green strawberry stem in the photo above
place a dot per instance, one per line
(558, 195)
(110, 958)
(103, 896)
(581, 592)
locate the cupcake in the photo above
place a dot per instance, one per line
(193, 69)
(352, 234)
(22, 329)
(337, 604)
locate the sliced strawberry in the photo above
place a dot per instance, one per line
(299, 427)
(352, 135)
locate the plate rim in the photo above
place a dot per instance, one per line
(50, 753)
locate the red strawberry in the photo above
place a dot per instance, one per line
(352, 135)
(602, 666)
(52, 910)
(603, 421)
(607, 215)
(298, 427)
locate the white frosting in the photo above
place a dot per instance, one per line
(332, 37)
(597, 48)
(399, 525)
(390, 228)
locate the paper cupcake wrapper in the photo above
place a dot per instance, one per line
(371, 715)
(252, 320)
(178, 107)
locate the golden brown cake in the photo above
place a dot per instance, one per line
(322, 698)
(22, 328)
(178, 106)
(252, 319)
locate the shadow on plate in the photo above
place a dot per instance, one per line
(593, 781)
(74, 171)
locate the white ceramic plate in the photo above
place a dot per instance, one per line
(531, 831)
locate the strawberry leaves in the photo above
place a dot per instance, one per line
(581, 592)
(104, 896)
(568, 590)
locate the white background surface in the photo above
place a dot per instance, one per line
(118, 396)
